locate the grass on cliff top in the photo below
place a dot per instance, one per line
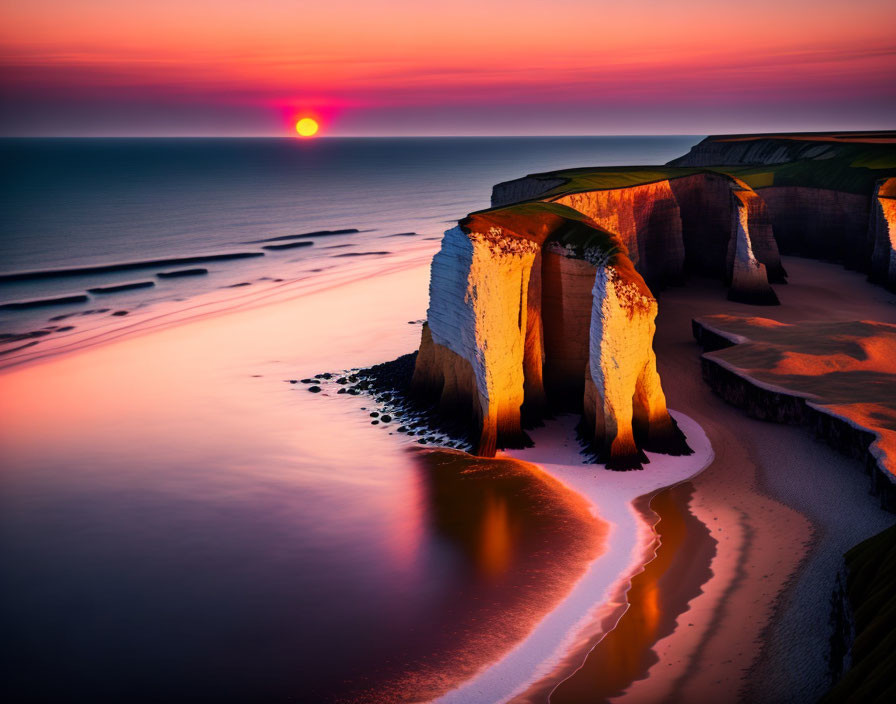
(605, 178)
(857, 136)
(855, 169)
(541, 220)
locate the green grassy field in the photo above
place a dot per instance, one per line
(855, 169)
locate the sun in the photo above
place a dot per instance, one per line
(307, 127)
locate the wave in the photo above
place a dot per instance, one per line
(124, 266)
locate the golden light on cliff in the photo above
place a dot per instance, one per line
(307, 127)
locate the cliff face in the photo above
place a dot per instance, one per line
(646, 219)
(520, 189)
(749, 281)
(882, 234)
(821, 191)
(705, 223)
(533, 306)
(623, 394)
(820, 223)
(473, 348)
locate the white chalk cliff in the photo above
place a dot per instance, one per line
(535, 307)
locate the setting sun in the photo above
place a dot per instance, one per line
(307, 127)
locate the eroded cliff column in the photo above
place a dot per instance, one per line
(536, 304)
(882, 228)
(749, 281)
(474, 344)
(624, 405)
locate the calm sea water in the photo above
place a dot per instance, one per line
(177, 521)
(86, 202)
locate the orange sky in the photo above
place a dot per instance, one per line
(394, 66)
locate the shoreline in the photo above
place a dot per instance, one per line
(768, 525)
(575, 622)
(165, 314)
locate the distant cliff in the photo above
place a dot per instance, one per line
(534, 307)
(758, 149)
(827, 195)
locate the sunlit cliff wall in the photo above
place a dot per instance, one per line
(671, 227)
(882, 234)
(820, 191)
(534, 307)
(647, 220)
(820, 223)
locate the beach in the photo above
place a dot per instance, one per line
(175, 498)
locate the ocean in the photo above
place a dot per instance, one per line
(179, 517)
(83, 203)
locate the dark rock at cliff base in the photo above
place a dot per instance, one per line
(389, 383)
(314, 389)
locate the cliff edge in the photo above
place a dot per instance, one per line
(535, 307)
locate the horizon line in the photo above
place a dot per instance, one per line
(292, 137)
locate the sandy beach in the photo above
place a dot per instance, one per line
(769, 497)
(731, 590)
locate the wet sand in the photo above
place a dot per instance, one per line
(781, 505)
(680, 554)
(557, 645)
(731, 600)
(526, 536)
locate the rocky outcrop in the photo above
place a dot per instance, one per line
(882, 234)
(625, 408)
(869, 621)
(535, 306)
(847, 396)
(473, 347)
(749, 281)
